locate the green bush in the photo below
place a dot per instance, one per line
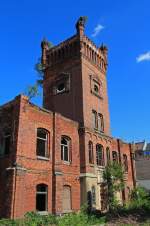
(72, 219)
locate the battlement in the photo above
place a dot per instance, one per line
(77, 45)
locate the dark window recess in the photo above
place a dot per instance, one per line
(114, 156)
(60, 88)
(7, 143)
(96, 88)
(99, 155)
(62, 84)
(42, 143)
(41, 197)
(91, 159)
(93, 193)
(65, 149)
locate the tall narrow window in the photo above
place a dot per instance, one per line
(91, 158)
(94, 119)
(114, 156)
(65, 149)
(7, 143)
(100, 123)
(41, 197)
(125, 162)
(93, 194)
(108, 154)
(99, 155)
(42, 142)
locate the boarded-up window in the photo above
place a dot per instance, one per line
(66, 198)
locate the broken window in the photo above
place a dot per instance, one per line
(62, 84)
(41, 197)
(42, 142)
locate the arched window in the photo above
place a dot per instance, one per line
(65, 149)
(108, 154)
(41, 197)
(42, 142)
(99, 155)
(93, 195)
(91, 158)
(114, 156)
(66, 199)
(125, 162)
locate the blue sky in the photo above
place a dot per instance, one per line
(124, 26)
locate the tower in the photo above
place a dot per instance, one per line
(75, 80)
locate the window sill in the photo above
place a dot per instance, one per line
(91, 164)
(67, 211)
(61, 92)
(96, 94)
(43, 158)
(67, 162)
(100, 167)
(44, 213)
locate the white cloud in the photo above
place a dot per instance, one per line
(97, 30)
(143, 57)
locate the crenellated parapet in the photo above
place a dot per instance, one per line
(63, 51)
(77, 45)
(96, 55)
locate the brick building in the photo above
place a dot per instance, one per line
(52, 158)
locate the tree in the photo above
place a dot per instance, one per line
(114, 177)
(32, 91)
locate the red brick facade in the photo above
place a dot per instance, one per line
(75, 108)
